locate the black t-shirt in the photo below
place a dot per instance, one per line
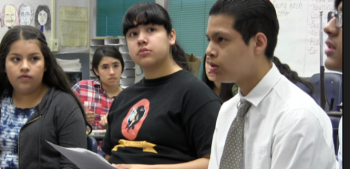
(162, 121)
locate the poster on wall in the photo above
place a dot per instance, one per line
(9, 16)
(300, 34)
(73, 26)
(25, 13)
(43, 18)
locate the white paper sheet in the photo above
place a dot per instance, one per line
(83, 158)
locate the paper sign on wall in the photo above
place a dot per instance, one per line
(73, 26)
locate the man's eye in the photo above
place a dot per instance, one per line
(221, 39)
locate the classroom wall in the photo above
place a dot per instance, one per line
(299, 40)
(300, 59)
(75, 3)
(17, 4)
(82, 57)
(54, 6)
(163, 3)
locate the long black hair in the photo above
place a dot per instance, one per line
(53, 76)
(145, 13)
(292, 75)
(225, 88)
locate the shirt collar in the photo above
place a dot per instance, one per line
(97, 83)
(263, 88)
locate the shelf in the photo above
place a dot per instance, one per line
(117, 45)
(126, 57)
(97, 42)
(127, 81)
(123, 49)
(111, 41)
(128, 77)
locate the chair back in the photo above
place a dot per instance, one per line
(333, 89)
(335, 124)
(91, 144)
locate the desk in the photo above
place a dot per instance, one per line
(99, 135)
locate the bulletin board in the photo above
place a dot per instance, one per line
(299, 34)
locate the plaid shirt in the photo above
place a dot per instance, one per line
(91, 94)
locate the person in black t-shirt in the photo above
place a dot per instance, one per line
(167, 119)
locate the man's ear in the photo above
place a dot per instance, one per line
(260, 43)
(172, 37)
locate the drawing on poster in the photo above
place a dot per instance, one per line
(9, 16)
(42, 17)
(25, 13)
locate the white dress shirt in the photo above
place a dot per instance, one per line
(284, 128)
(340, 133)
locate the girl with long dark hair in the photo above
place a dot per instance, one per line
(37, 104)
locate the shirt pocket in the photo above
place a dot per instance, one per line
(261, 157)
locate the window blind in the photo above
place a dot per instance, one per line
(190, 20)
(109, 16)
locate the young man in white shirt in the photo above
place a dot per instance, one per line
(334, 52)
(284, 127)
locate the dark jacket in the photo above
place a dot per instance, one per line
(57, 119)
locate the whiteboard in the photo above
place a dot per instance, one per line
(34, 4)
(299, 34)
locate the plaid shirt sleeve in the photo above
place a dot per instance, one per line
(91, 95)
(76, 89)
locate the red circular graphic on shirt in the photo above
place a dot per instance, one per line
(134, 119)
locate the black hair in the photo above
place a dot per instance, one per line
(336, 3)
(292, 75)
(226, 91)
(48, 22)
(225, 88)
(251, 17)
(53, 76)
(104, 51)
(145, 13)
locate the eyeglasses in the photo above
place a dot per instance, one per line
(338, 18)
